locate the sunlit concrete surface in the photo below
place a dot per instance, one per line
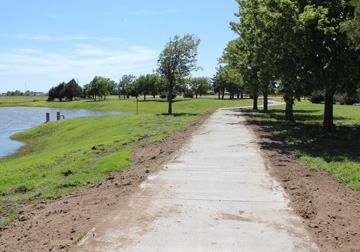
(216, 194)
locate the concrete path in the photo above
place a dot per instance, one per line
(215, 195)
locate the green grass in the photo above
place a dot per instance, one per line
(337, 154)
(86, 149)
(151, 105)
(67, 155)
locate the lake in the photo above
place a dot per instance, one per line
(17, 119)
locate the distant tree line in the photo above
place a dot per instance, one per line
(19, 93)
(145, 85)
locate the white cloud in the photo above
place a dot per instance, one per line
(22, 36)
(30, 51)
(108, 39)
(88, 50)
(84, 61)
(62, 38)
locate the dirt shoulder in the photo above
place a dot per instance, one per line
(329, 209)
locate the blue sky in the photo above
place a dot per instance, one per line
(44, 43)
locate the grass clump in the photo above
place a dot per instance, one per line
(10, 216)
(78, 238)
(337, 154)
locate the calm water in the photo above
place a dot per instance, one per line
(17, 119)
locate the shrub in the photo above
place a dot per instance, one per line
(347, 99)
(317, 96)
(188, 94)
(165, 95)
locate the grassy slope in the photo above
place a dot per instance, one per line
(90, 147)
(338, 154)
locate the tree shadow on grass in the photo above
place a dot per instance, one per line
(96, 101)
(177, 114)
(163, 101)
(306, 138)
(300, 115)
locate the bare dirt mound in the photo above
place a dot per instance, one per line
(329, 209)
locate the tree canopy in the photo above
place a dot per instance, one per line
(71, 90)
(177, 60)
(100, 86)
(124, 85)
(352, 26)
(199, 85)
(299, 44)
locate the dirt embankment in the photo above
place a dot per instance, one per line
(329, 210)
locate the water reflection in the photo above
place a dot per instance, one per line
(17, 119)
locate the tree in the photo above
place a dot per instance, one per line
(153, 82)
(330, 59)
(268, 47)
(14, 93)
(177, 60)
(125, 84)
(140, 86)
(109, 86)
(84, 92)
(94, 88)
(71, 90)
(219, 83)
(199, 85)
(352, 26)
(231, 71)
(100, 86)
(57, 92)
(299, 44)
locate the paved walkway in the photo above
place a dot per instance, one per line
(215, 195)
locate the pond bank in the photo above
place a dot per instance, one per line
(17, 119)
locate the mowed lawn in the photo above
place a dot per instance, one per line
(62, 156)
(338, 154)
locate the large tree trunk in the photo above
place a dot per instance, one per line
(255, 103)
(170, 98)
(144, 97)
(289, 100)
(265, 102)
(219, 95)
(289, 113)
(223, 94)
(328, 124)
(242, 94)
